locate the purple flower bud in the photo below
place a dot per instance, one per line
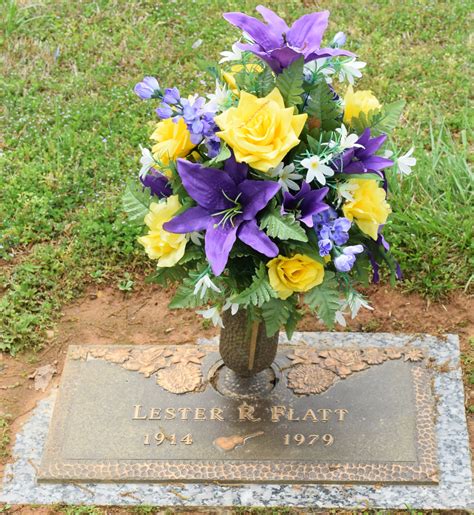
(325, 232)
(325, 247)
(157, 183)
(197, 127)
(171, 96)
(340, 237)
(189, 113)
(164, 111)
(339, 40)
(195, 138)
(342, 224)
(353, 249)
(213, 145)
(344, 263)
(146, 88)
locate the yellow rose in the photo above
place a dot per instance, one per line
(369, 208)
(173, 140)
(359, 102)
(297, 273)
(260, 131)
(229, 77)
(166, 247)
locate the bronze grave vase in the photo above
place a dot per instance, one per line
(244, 345)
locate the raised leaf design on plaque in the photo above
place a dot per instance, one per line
(187, 355)
(308, 379)
(413, 355)
(147, 361)
(180, 378)
(374, 356)
(178, 370)
(305, 356)
(310, 367)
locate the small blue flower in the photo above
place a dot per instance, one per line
(171, 96)
(147, 88)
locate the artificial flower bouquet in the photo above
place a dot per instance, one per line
(270, 193)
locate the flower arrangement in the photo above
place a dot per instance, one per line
(269, 194)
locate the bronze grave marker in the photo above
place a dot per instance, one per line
(174, 413)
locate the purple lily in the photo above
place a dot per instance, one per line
(280, 45)
(306, 202)
(157, 182)
(363, 159)
(228, 204)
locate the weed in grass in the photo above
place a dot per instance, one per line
(4, 434)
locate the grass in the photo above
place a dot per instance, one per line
(73, 126)
(4, 435)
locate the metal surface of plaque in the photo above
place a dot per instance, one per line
(175, 413)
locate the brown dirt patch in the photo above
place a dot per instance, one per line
(108, 316)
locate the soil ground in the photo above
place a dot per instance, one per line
(108, 316)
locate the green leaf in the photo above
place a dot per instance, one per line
(136, 202)
(184, 296)
(290, 83)
(322, 106)
(291, 323)
(284, 227)
(324, 299)
(275, 313)
(259, 290)
(193, 252)
(224, 154)
(389, 119)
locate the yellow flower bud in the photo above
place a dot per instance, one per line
(298, 273)
(173, 140)
(229, 77)
(166, 247)
(359, 102)
(369, 209)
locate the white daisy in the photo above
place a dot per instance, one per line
(146, 161)
(317, 169)
(322, 67)
(234, 55)
(213, 315)
(350, 69)
(217, 99)
(355, 302)
(286, 176)
(346, 140)
(232, 306)
(196, 238)
(339, 318)
(345, 190)
(405, 162)
(201, 287)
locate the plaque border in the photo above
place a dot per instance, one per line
(423, 471)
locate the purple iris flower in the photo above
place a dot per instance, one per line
(228, 204)
(363, 159)
(345, 261)
(306, 202)
(147, 87)
(157, 183)
(280, 45)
